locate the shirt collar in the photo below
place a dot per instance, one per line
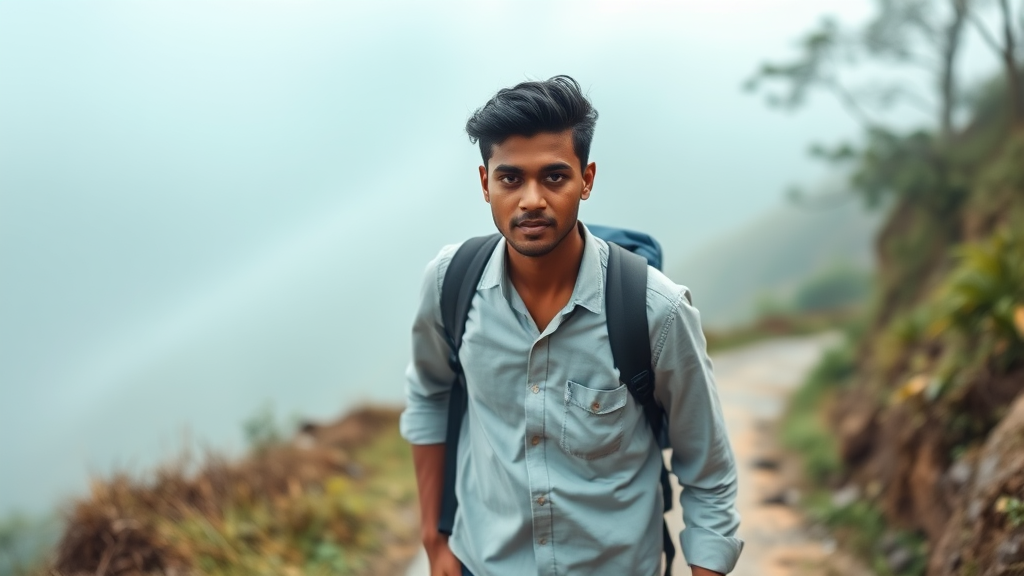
(589, 289)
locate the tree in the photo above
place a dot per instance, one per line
(917, 33)
(1006, 50)
(920, 35)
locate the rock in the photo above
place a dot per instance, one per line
(766, 463)
(888, 543)
(974, 510)
(1009, 551)
(846, 496)
(899, 560)
(776, 499)
(959, 474)
(977, 534)
(784, 497)
(987, 469)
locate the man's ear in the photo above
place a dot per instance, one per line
(588, 180)
(483, 184)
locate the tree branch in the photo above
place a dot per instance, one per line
(986, 35)
(850, 103)
(920, 102)
(1009, 38)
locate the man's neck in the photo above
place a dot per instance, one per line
(546, 283)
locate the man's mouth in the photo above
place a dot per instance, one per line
(532, 227)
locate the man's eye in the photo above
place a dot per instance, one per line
(508, 179)
(556, 177)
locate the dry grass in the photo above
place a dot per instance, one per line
(337, 499)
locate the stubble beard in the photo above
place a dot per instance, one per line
(537, 251)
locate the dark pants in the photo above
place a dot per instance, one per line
(465, 571)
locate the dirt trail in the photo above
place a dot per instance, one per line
(753, 383)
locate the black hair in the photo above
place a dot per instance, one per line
(529, 108)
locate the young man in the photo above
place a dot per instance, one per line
(558, 471)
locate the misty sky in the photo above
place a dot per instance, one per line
(209, 206)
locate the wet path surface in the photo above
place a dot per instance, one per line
(753, 384)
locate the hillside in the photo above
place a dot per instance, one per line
(914, 427)
(769, 258)
(337, 498)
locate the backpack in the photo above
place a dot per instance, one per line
(629, 254)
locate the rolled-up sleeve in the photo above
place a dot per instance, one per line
(428, 379)
(702, 457)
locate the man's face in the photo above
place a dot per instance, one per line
(534, 186)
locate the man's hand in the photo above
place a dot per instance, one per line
(429, 462)
(442, 561)
(698, 571)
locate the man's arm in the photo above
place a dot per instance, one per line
(429, 380)
(429, 463)
(702, 457)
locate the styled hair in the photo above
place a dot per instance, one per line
(529, 108)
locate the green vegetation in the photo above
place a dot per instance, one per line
(971, 317)
(775, 324)
(333, 527)
(12, 545)
(1013, 508)
(806, 429)
(941, 355)
(24, 543)
(862, 527)
(262, 430)
(837, 287)
(834, 298)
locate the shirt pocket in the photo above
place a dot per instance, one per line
(592, 426)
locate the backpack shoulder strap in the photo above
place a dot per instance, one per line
(628, 332)
(630, 339)
(460, 282)
(457, 291)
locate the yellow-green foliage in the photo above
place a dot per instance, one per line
(332, 529)
(984, 292)
(973, 316)
(1013, 508)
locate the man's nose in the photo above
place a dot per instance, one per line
(532, 197)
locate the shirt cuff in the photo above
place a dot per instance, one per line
(427, 423)
(710, 550)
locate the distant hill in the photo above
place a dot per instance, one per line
(771, 256)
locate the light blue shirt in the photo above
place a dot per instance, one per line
(558, 471)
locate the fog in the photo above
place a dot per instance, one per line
(209, 207)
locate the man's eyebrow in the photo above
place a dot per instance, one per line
(556, 166)
(508, 169)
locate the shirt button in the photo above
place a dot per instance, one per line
(541, 500)
(542, 541)
(596, 406)
(535, 440)
(535, 389)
